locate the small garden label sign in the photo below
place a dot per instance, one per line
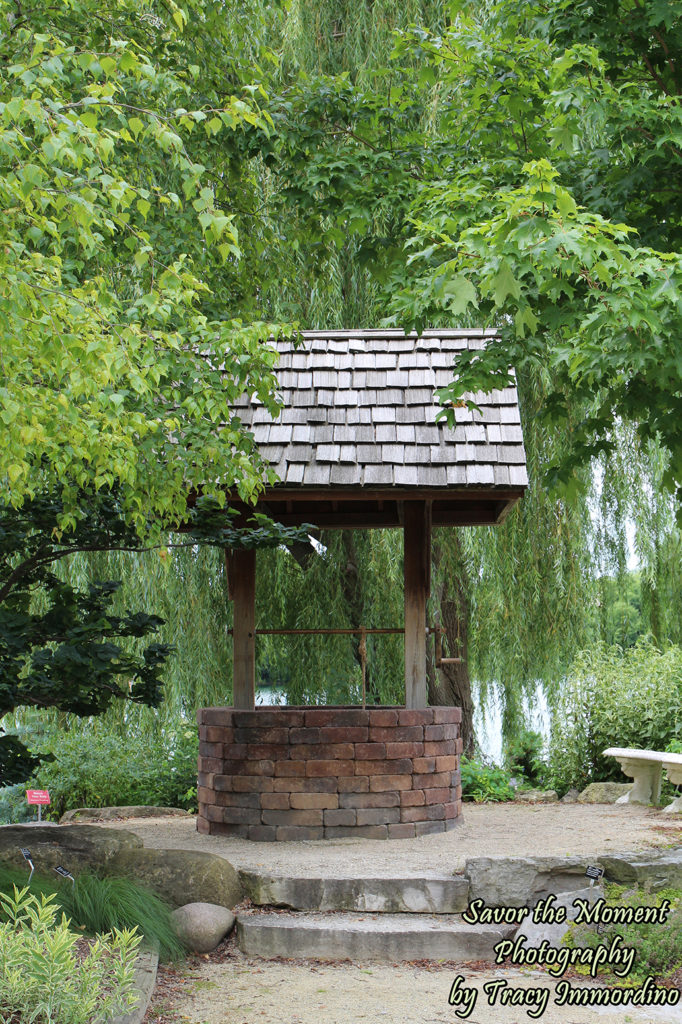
(39, 797)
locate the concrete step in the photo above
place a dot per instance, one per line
(383, 937)
(408, 895)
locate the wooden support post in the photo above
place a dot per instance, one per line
(417, 561)
(242, 584)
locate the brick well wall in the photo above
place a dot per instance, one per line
(320, 773)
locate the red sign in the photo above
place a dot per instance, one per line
(37, 796)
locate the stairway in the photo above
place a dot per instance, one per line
(384, 919)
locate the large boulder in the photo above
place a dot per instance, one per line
(111, 813)
(653, 869)
(201, 926)
(522, 881)
(181, 876)
(75, 847)
(604, 792)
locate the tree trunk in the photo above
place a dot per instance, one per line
(450, 684)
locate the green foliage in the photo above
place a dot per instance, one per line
(102, 769)
(125, 193)
(484, 783)
(614, 698)
(42, 978)
(524, 756)
(658, 947)
(96, 906)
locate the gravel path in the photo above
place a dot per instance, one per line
(236, 989)
(487, 830)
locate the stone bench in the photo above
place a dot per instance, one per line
(646, 768)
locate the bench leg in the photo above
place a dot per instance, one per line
(674, 775)
(646, 787)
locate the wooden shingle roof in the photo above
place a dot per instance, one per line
(360, 413)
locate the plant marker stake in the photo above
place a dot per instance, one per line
(26, 854)
(65, 874)
(594, 873)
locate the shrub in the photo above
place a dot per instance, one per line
(99, 905)
(524, 757)
(45, 978)
(484, 783)
(98, 769)
(614, 698)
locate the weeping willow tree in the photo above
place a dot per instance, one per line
(515, 601)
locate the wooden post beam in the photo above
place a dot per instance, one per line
(417, 562)
(241, 566)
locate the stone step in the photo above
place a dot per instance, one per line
(406, 895)
(384, 937)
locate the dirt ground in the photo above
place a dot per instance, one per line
(228, 987)
(487, 830)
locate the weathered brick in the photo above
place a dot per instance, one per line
(267, 751)
(378, 815)
(263, 833)
(385, 783)
(451, 809)
(216, 716)
(459, 745)
(388, 799)
(203, 825)
(310, 801)
(275, 735)
(304, 785)
(306, 818)
(237, 799)
(402, 766)
(215, 734)
(204, 794)
(435, 780)
(357, 832)
(329, 767)
(304, 735)
(219, 828)
(433, 813)
(205, 779)
(352, 784)
(370, 751)
(382, 717)
(331, 751)
(446, 716)
(343, 734)
(401, 734)
(289, 768)
(428, 828)
(415, 716)
(252, 784)
(421, 765)
(452, 823)
(438, 748)
(282, 718)
(297, 833)
(235, 751)
(434, 732)
(342, 816)
(412, 798)
(243, 815)
(210, 764)
(404, 750)
(211, 749)
(336, 717)
(450, 732)
(250, 767)
(403, 830)
(446, 764)
(437, 796)
(275, 801)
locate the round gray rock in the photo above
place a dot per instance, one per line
(571, 797)
(604, 792)
(181, 876)
(201, 926)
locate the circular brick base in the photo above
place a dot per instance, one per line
(324, 772)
